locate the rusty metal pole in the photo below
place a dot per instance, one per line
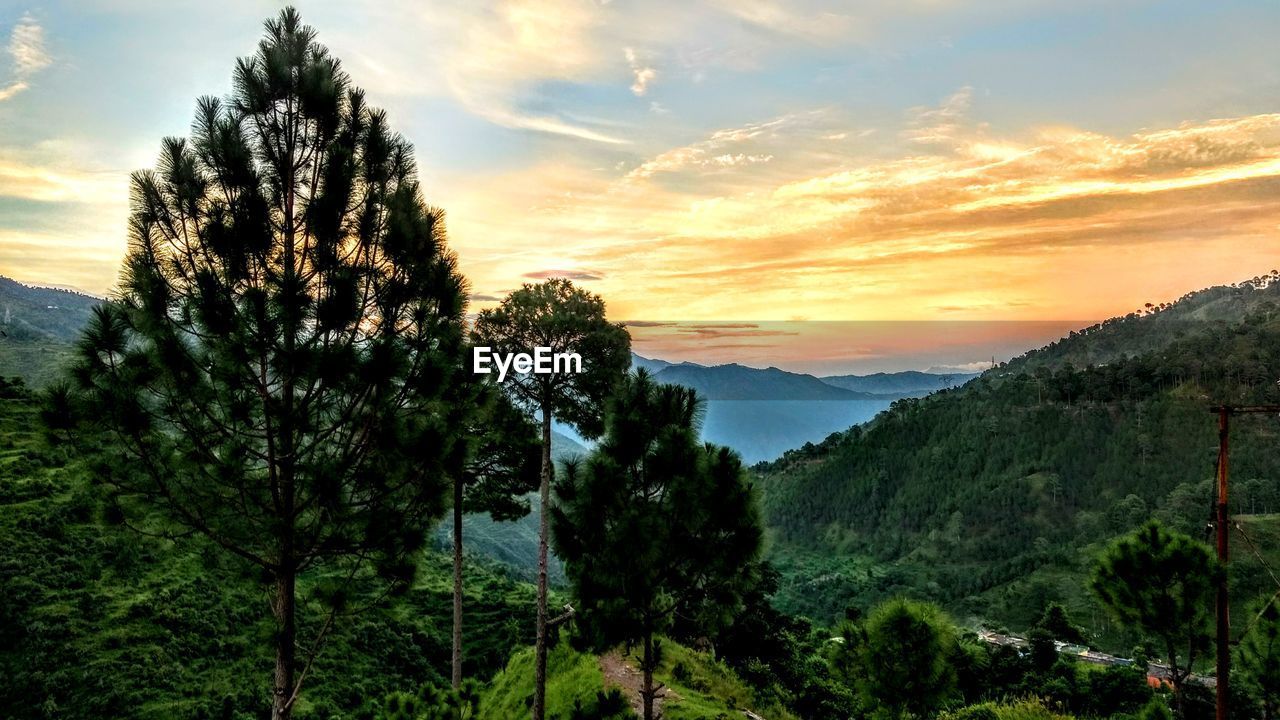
(1223, 609)
(1223, 522)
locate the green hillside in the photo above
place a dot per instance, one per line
(992, 499)
(37, 327)
(98, 621)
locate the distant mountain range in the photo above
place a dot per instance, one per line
(910, 383)
(763, 412)
(739, 382)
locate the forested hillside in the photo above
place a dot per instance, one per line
(992, 498)
(99, 621)
(37, 327)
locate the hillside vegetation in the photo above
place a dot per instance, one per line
(37, 327)
(993, 498)
(99, 621)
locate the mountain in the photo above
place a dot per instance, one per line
(29, 313)
(650, 364)
(1156, 326)
(994, 497)
(738, 382)
(764, 412)
(911, 383)
(37, 327)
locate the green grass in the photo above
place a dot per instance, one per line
(572, 677)
(707, 689)
(37, 362)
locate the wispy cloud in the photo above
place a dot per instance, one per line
(578, 275)
(940, 124)
(708, 152)
(27, 54)
(643, 74)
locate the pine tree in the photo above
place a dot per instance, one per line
(280, 367)
(1162, 584)
(899, 660)
(655, 523)
(1260, 659)
(556, 315)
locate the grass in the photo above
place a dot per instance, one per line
(707, 689)
(572, 678)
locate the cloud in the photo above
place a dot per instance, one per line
(27, 53)
(703, 153)
(508, 61)
(481, 297)
(941, 124)
(581, 275)
(643, 74)
(648, 323)
(981, 227)
(812, 25)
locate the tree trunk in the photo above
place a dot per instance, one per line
(540, 642)
(286, 643)
(457, 584)
(646, 691)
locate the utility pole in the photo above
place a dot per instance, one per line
(1224, 554)
(1224, 413)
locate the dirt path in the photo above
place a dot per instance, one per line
(619, 672)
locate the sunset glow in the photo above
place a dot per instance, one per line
(764, 160)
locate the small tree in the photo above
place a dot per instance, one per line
(1043, 651)
(1260, 659)
(503, 469)
(556, 315)
(1162, 584)
(1057, 622)
(653, 523)
(901, 659)
(280, 369)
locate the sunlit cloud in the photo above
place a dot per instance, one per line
(977, 229)
(27, 54)
(644, 75)
(941, 124)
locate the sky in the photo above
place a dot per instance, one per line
(722, 162)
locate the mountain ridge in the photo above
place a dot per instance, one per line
(993, 498)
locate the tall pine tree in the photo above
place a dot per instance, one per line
(655, 523)
(280, 367)
(556, 315)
